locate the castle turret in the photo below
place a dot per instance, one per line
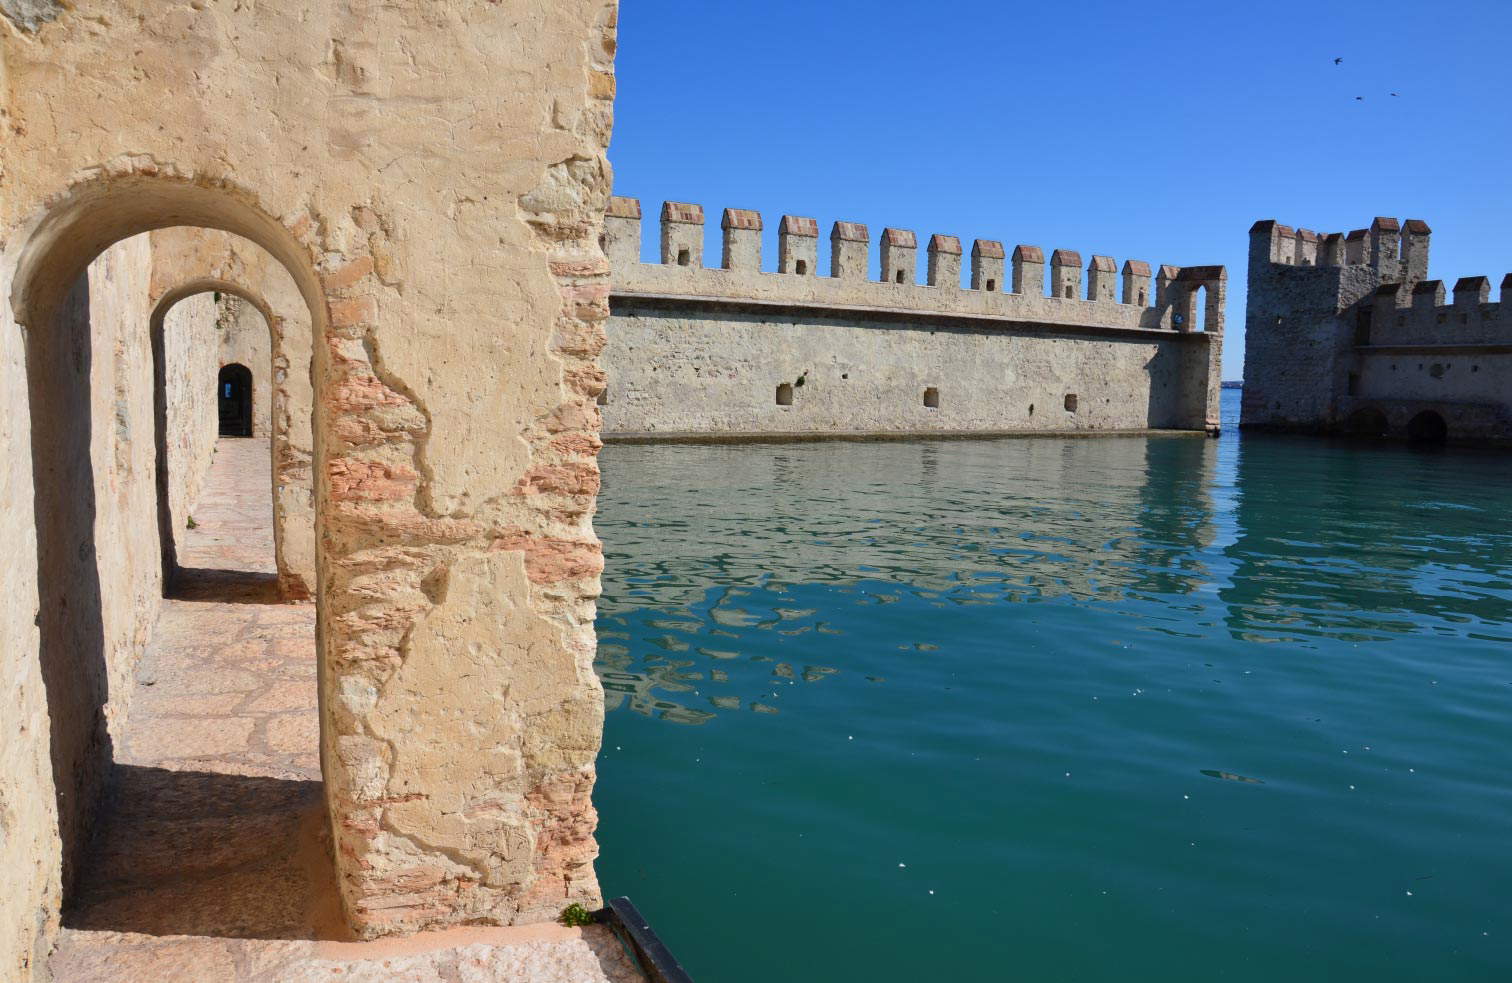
(987, 265)
(1136, 282)
(798, 246)
(1065, 274)
(944, 261)
(848, 247)
(1386, 247)
(742, 240)
(1415, 236)
(1029, 270)
(900, 257)
(682, 230)
(1102, 279)
(622, 232)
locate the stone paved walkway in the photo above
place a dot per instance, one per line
(212, 859)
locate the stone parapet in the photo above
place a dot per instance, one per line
(796, 281)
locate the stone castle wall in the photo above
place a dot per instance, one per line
(742, 351)
(1345, 333)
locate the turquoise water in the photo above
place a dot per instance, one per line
(1085, 709)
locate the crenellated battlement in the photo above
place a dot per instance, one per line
(886, 276)
(1344, 327)
(1395, 250)
(1427, 314)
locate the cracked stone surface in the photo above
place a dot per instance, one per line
(212, 858)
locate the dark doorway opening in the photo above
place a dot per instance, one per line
(1427, 428)
(233, 390)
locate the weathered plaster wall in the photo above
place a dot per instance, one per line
(695, 351)
(94, 493)
(190, 366)
(432, 175)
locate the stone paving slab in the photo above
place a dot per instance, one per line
(212, 860)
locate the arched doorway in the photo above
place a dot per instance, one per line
(1367, 422)
(233, 394)
(82, 264)
(1427, 427)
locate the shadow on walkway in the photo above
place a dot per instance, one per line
(224, 586)
(209, 854)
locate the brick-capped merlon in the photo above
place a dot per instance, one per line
(900, 237)
(798, 225)
(988, 248)
(1029, 254)
(623, 207)
(1136, 267)
(945, 244)
(850, 232)
(741, 218)
(1416, 227)
(1355, 235)
(1435, 287)
(1472, 290)
(1103, 264)
(682, 213)
(1383, 223)
(1066, 257)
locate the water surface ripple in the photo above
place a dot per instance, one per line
(1060, 709)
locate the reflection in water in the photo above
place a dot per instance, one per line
(955, 524)
(1365, 543)
(1075, 705)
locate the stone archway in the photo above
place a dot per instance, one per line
(455, 433)
(288, 386)
(1428, 427)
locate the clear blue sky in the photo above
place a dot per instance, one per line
(1156, 131)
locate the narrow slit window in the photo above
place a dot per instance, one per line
(932, 398)
(991, 285)
(801, 267)
(1031, 409)
(898, 277)
(1068, 291)
(1070, 402)
(684, 257)
(1141, 298)
(785, 394)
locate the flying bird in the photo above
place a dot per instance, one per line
(1359, 98)
(1394, 95)
(1338, 61)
